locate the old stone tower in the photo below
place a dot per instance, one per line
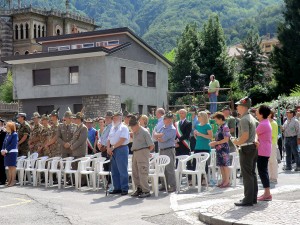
(20, 26)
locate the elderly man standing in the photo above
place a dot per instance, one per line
(166, 143)
(160, 112)
(78, 144)
(141, 146)
(102, 142)
(23, 135)
(117, 147)
(183, 130)
(65, 134)
(213, 92)
(248, 152)
(291, 131)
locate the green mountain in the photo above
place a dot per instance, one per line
(160, 22)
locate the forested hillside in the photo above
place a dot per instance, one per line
(160, 22)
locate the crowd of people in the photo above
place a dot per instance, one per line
(253, 136)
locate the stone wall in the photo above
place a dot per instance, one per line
(97, 105)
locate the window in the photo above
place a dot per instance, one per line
(140, 109)
(114, 42)
(26, 52)
(140, 77)
(39, 30)
(123, 107)
(41, 77)
(45, 109)
(77, 108)
(34, 31)
(88, 45)
(123, 75)
(151, 109)
(64, 48)
(74, 74)
(101, 44)
(26, 31)
(22, 31)
(16, 32)
(58, 32)
(43, 31)
(52, 49)
(151, 79)
(77, 46)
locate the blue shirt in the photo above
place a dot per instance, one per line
(168, 138)
(104, 135)
(92, 135)
(201, 142)
(159, 125)
(10, 141)
(195, 121)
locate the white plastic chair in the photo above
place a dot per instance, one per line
(213, 169)
(130, 171)
(179, 168)
(160, 163)
(233, 168)
(201, 159)
(66, 165)
(82, 170)
(40, 168)
(100, 172)
(30, 167)
(53, 168)
(20, 169)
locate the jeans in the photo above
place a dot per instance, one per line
(119, 168)
(262, 167)
(213, 106)
(291, 147)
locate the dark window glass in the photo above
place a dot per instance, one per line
(151, 109)
(16, 32)
(140, 109)
(140, 77)
(123, 75)
(74, 74)
(151, 79)
(26, 31)
(123, 107)
(22, 31)
(41, 77)
(45, 109)
(77, 108)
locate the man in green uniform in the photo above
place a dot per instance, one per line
(23, 135)
(53, 145)
(248, 152)
(35, 133)
(43, 150)
(65, 134)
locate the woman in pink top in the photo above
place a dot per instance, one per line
(264, 145)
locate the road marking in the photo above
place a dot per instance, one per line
(22, 202)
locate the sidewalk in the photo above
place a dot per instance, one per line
(284, 209)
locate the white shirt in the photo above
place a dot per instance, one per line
(121, 131)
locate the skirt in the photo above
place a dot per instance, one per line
(223, 157)
(10, 159)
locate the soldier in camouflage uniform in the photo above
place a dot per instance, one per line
(65, 134)
(23, 135)
(53, 145)
(34, 138)
(43, 150)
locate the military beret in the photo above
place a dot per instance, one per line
(169, 115)
(45, 117)
(36, 115)
(88, 120)
(68, 114)
(54, 113)
(226, 108)
(79, 115)
(109, 113)
(117, 114)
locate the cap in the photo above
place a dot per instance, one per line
(193, 108)
(169, 115)
(21, 115)
(79, 115)
(35, 115)
(54, 112)
(109, 114)
(88, 120)
(117, 114)
(133, 121)
(226, 108)
(68, 114)
(45, 117)
(244, 102)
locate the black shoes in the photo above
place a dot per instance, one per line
(137, 193)
(243, 204)
(144, 195)
(124, 192)
(115, 192)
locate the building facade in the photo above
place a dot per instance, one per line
(100, 70)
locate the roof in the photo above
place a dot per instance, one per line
(105, 32)
(59, 55)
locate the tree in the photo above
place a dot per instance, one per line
(184, 63)
(286, 58)
(213, 57)
(6, 89)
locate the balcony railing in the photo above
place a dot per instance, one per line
(9, 107)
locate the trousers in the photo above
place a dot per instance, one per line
(170, 168)
(140, 169)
